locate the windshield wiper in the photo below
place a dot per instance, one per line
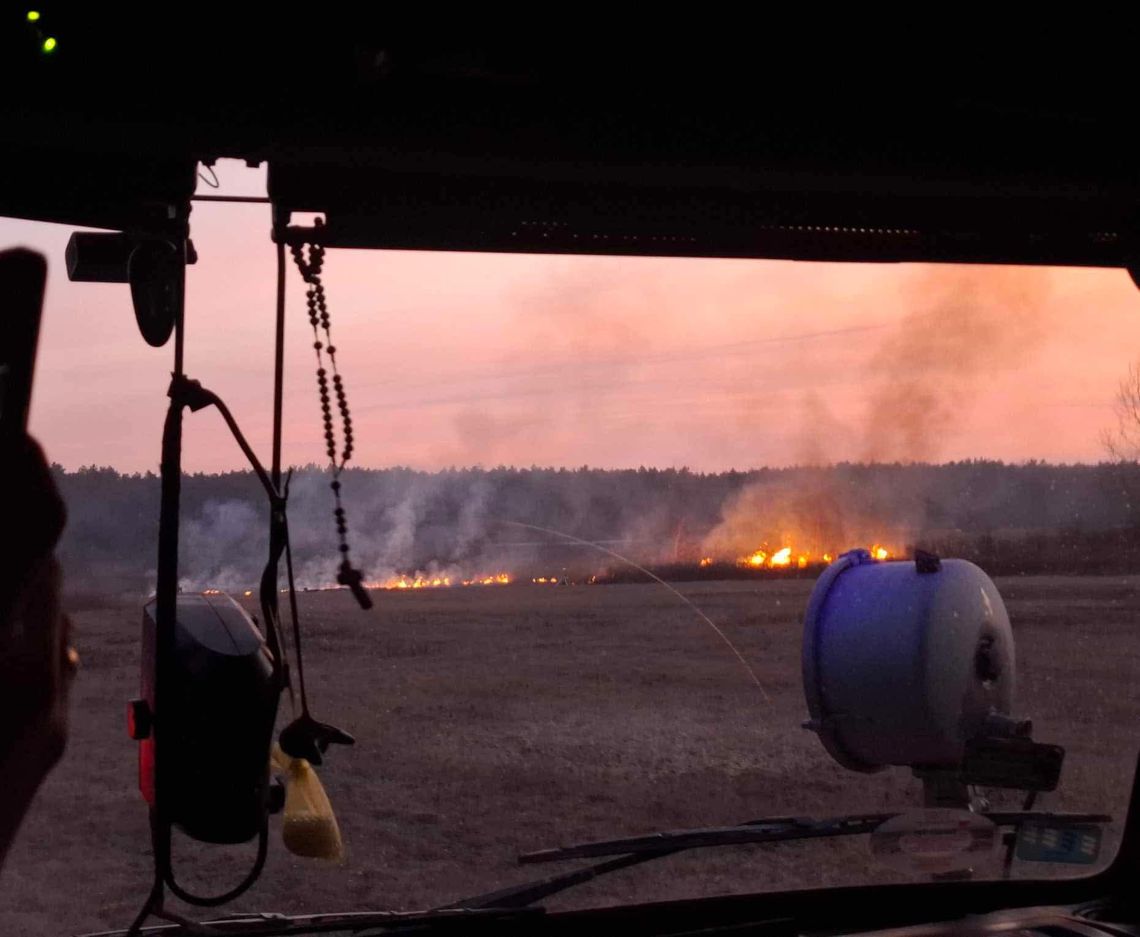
(510, 903)
(358, 923)
(774, 829)
(636, 850)
(640, 849)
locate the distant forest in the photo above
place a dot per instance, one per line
(1028, 517)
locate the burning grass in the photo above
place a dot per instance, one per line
(421, 581)
(786, 557)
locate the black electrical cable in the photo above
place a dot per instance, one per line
(155, 895)
(278, 530)
(296, 620)
(166, 610)
(279, 366)
(193, 395)
(187, 393)
(240, 889)
(214, 184)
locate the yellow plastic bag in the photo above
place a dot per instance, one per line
(310, 828)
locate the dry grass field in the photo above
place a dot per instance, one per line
(496, 720)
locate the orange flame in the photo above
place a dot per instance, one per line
(437, 582)
(786, 558)
(759, 558)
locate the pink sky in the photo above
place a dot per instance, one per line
(462, 359)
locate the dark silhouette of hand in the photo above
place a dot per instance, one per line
(37, 662)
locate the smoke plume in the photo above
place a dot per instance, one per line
(959, 325)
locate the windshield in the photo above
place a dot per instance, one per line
(592, 497)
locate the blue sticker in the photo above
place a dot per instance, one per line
(1078, 844)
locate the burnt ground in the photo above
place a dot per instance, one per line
(499, 720)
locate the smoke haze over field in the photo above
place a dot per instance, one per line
(962, 327)
(451, 523)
